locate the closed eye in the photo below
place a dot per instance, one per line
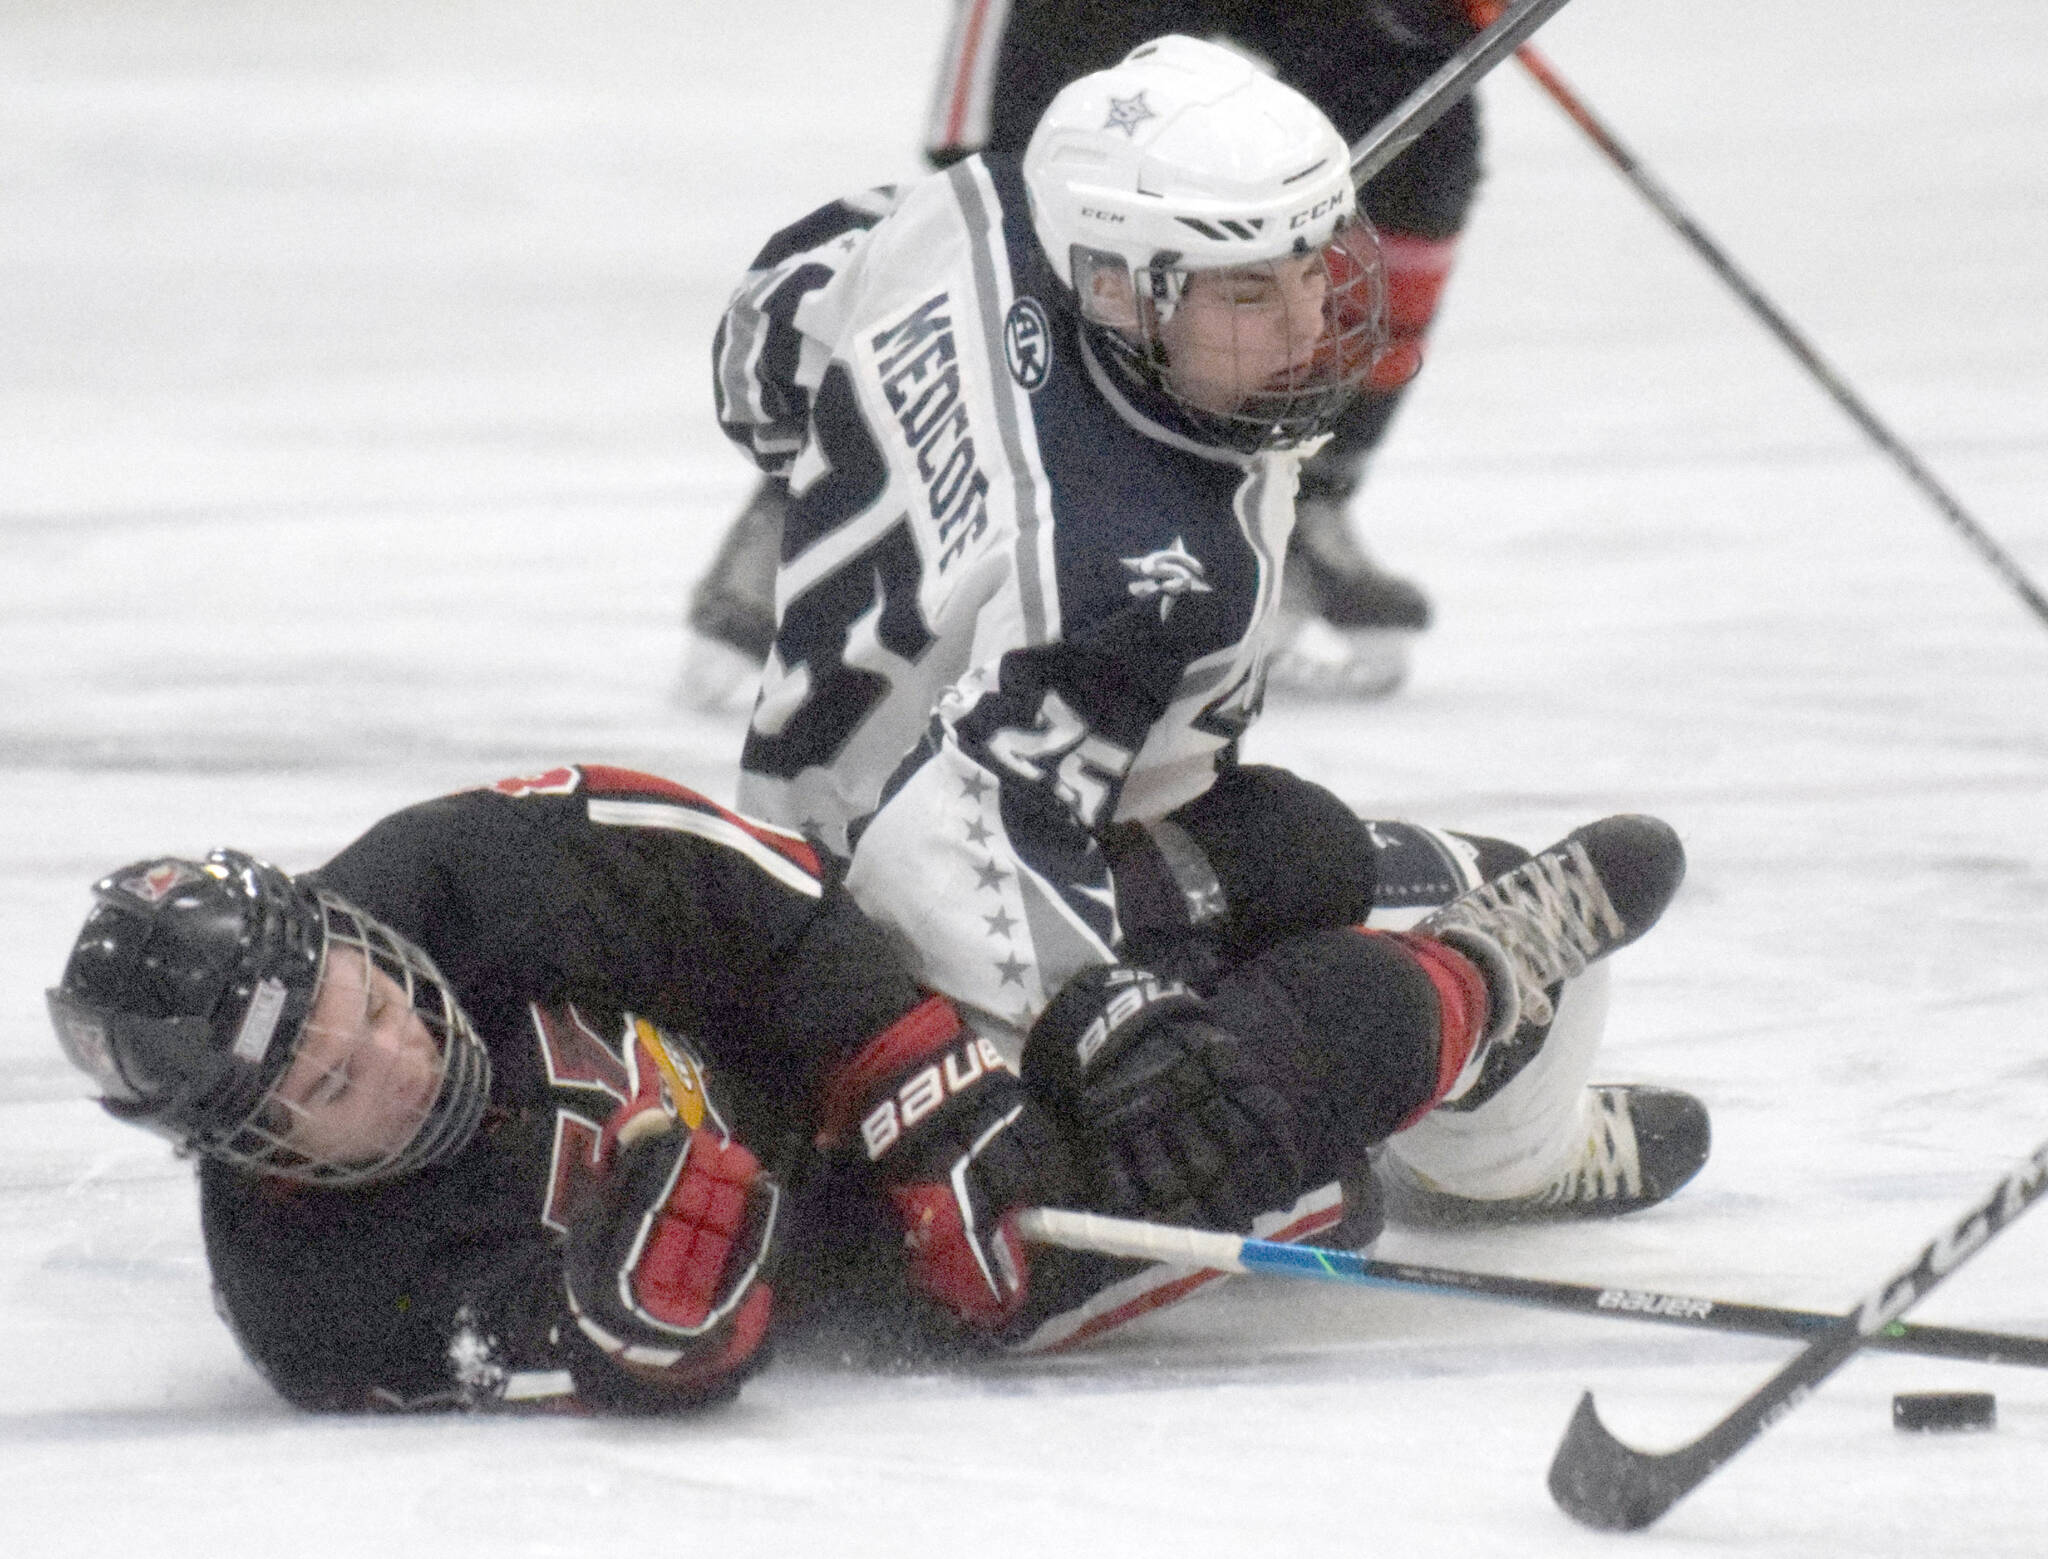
(333, 1084)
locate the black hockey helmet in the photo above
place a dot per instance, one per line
(185, 990)
(187, 993)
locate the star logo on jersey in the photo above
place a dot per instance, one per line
(1167, 575)
(1127, 113)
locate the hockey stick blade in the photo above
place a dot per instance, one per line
(1603, 1482)
(1236, 1253)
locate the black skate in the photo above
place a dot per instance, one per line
(731, 618)
(1346, 624)
(1641, 1145)
(1532, 928)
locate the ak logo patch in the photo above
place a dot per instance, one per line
(1027, 344)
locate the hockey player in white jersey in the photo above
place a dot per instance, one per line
(1347, 625)
(1041, 423)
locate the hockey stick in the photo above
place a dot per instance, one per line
(1604, 1483)
(1455, 78)
(1235, 1253)
(2002, 562)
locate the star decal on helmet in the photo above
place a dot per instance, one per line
(1127, 113)
(1167, 574)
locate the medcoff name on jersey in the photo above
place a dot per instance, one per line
(918, 364)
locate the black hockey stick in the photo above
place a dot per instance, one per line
(1236, 1253)
(1773, 319)
(1457, 76)
(1604, 1483)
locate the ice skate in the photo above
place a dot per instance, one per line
(1641, 1145)
(1595, 890)
(1531, 929)
(1346, 624)
(731, 620)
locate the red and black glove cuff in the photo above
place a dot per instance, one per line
(924, 1061)
(955, 1147)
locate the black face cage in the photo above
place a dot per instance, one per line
(262, 1143)
(1289, 408)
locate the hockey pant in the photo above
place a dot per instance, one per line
(1512, 1144)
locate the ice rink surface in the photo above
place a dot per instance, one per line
(355, 445)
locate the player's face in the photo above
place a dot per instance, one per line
(366, 1072)
(1239, 331)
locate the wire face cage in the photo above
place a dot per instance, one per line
(1263, 355)
(387, 1075)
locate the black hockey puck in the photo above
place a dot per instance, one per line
(1944, 1410)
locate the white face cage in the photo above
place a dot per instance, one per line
(387, 1075)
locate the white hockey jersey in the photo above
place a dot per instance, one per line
(1013, 607)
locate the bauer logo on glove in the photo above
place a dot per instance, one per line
(925, 1090)
(1127, 993)
(954, 1147)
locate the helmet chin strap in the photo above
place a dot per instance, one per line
(1165, 285)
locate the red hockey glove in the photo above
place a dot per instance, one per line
(1172, 1118)
(957, 1149)
(663, 1265)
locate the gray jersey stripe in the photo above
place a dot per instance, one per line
(975, 196)
(746, 336)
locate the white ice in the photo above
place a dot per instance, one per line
(355, 445)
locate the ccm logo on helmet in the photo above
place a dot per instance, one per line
(925, 1091)
(1320, 208)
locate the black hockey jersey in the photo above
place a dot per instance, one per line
(571, 912)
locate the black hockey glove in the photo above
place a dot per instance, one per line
(1170, 1116)
(663, 1264)
(942, 1125)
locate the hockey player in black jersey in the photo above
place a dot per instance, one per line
(481, 1106)
(1346, 625)
(476, 1105)
(1042, 423)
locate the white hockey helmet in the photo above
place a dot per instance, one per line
(1187, 157)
